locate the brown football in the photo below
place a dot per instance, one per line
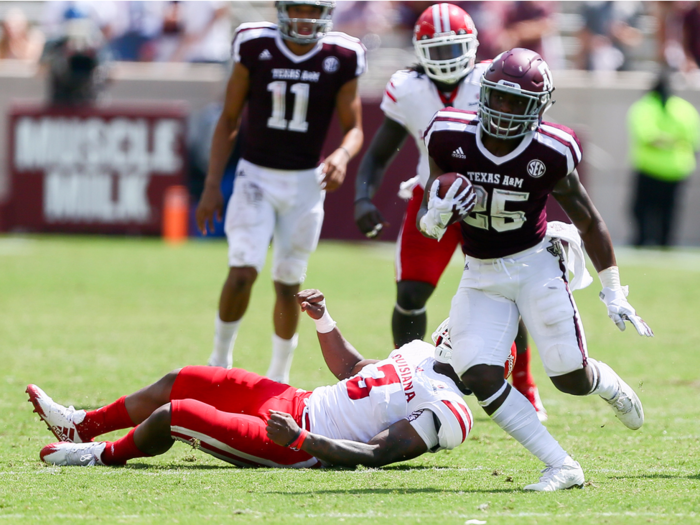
(446, 180)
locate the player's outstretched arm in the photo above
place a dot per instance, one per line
(341, 357)
(212, 202)
(399, 442)
(349, 109)
(384, 146)
(574, 200)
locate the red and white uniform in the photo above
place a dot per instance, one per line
(290, 105)
(512, 267)
(225, 411)
(412, 99)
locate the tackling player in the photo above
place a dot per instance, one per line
(291, 76)
(514, 160)
(445, 41)
(380, 412)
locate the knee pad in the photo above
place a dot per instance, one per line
(559, 359)
(290, 271)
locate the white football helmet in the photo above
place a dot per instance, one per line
(289, 27)
(443, 344)
(445, 41)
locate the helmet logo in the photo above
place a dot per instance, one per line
(331, 64)
(536, 168)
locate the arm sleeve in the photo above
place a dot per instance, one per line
(423, 423)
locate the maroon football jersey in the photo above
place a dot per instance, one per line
(510, 214)
(292, 98)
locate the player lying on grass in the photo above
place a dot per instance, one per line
(379, 413)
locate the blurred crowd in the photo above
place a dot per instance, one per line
(594, 35)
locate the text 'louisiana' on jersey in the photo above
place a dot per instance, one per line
(510, 215)
(411, 99)
(292, 98)
(386, 392)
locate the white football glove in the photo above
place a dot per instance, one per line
(619, 310)
(434, 223)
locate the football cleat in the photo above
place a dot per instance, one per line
(627, 406)
(61, 421)
(533, 396)
(568, 476)
(73, 454)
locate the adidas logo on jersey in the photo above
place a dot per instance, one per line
(459, 154)
(265, 55)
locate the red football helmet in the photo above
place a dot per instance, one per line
(445, 42)
(523, 73)
(289, 26)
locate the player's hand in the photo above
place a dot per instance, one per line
(281, 428)
(334, 169)
(211, 205)
(619, 310)
(369, 219)
(434, 223)
(312, 302)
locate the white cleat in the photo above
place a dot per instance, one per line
(568, 476)
(73, 454)
(61, 421)
(627, 406)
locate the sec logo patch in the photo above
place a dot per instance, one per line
(536, 168)
(331, 65)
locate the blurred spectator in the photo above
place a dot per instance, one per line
(527, 24)
(76, 62)
(664, 138)
(691, 36)
(194, 32)
(57, 12)
(608, 34)
(18, 40)
(488, 18)
(368, 21)
(133, 29)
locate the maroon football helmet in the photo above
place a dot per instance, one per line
(445, 41)
(522, 73)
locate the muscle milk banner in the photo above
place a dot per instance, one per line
(97, 170)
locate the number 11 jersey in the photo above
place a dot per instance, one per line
(292, 98)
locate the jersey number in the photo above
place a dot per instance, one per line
(279, 109)
(359, 387)
(501, 220)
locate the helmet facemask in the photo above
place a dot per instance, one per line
(290, 27)
(447, 57)
(510, 125)
(443, 344)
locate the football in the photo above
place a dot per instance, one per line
(446, 180)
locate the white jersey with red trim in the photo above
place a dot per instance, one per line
(411, 99)
(383, 393)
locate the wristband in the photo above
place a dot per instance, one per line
(299, 440)
(346, 151)
(610, 278)
(325, 324)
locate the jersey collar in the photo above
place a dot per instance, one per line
(447, 101)
(291, 56)
(527, 139)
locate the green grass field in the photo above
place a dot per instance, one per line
(91, 319)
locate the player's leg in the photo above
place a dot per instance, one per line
(78, 426)
(296, 234)
(483, 324)
(249, 224)
(550, 313)
(523, 381)
(420, 261)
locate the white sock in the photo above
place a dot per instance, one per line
(282, 353)
(606, 384)
(224, 339)
(518, 418)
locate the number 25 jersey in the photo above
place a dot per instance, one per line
(388, 391)
(291, 98)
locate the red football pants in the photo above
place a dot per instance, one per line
(224, 413)
(420, 258)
